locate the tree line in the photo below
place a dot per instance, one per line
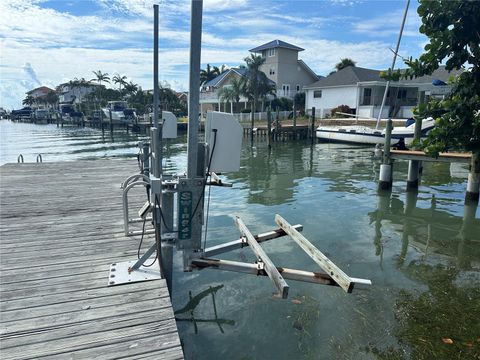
(127, 91)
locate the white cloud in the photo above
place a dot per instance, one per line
(389, 24)
(62, 46)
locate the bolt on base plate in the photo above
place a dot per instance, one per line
(120, 274)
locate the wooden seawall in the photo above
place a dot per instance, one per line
(61, 227)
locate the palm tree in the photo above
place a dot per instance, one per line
(220, 70)
(344, 63)
(237, 86)
(51, 98)
(208, 74)
(227, 95)
(131, 88)
(255, 78)
(29, 100)
(119, 80)
(77, 84)
(101, 77)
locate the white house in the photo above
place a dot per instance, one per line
(71, 93)
(362, 90)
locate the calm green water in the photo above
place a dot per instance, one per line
(421, 252)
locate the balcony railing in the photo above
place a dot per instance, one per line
(212, 96)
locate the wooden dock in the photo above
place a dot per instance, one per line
(421, 156)
(61, 227)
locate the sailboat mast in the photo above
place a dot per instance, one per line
(393, 64)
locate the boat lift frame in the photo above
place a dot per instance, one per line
(186, 194)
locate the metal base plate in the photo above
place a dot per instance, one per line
(119, 273)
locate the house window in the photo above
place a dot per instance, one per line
(272, 71)
(367, 96)
(402, 94)
(271, 52)
(286, 89)
(298, 88)
(317, 94)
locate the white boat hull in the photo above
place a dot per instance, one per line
(352, 134)
(364, 135)
(118, 116)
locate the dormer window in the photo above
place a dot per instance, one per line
(271, 52)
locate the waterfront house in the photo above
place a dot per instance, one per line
(283, 68)
(39, 95)
(210, 99)
(362, 90)
(74, 93)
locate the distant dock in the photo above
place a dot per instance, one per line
(61, 227)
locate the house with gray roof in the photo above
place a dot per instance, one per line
(283, 68)
(362, 90)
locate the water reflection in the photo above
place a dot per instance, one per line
(273, 175)
(270, 173)
(193, 304)
(427, 230)
(440, 322)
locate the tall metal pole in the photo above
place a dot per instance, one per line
(194, 86)
(393, 63)
(155, 65)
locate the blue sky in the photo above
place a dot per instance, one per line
(46, 42)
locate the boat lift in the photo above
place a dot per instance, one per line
(181, 197)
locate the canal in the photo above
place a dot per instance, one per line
(422, 252)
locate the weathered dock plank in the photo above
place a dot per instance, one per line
(421, 156)
(61, 225)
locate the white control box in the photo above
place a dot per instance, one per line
(169, 128)
(223, 134)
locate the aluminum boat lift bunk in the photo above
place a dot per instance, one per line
(181, 197)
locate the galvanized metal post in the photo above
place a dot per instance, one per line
(166, 226)
(194, 85)
(155, 65)
(191, 190)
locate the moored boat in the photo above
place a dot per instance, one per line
(365, 135)
(120, 112)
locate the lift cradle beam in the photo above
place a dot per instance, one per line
(269, 268)
(324, 262)
(242, 242)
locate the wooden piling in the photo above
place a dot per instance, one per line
(414, 166)
(386, 168)
(111, 120)
(312, 124)
(473, 184)
(269, 128)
